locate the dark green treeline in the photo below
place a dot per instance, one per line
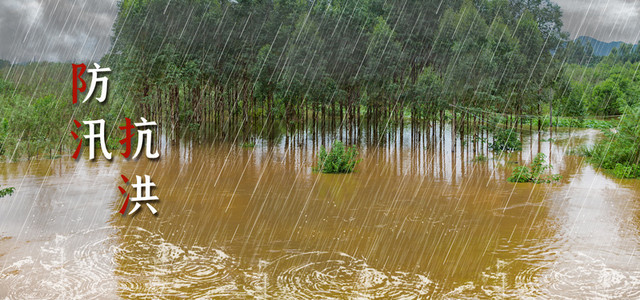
(309, 63)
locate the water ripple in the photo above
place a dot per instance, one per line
(315, 275)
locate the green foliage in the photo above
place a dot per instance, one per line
(249, 62)
(625, 53)
(619, 150)
(608, 97)
(520, 174)
(36, 112)
(194, 126)
(576, 52)
(539, 165)
(535, 172)
(626, 170)
(480, 158)
(339, 159)
(280, 59)
(30, 126)
(596, 124)
(603, 89)
(564, 122)
(506, 140)
(6, 191)
(573, 105)
(248, 145)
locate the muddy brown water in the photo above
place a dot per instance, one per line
(415, 221)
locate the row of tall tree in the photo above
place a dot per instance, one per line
(315, 65)
(340, 62)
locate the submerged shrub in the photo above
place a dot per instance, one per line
(248, 145)
(534, 173)
(480, 158)
(506, 140)
(339, 159)
(520, 174)
(6, 191)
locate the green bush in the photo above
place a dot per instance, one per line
(609, 153)
(339, 159)
(626, 170)
(520, 174)
(506, 140)
(534, 173)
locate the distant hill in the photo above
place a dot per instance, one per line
(599, 48)
(4, 63)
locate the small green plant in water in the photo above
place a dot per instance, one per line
(480, 158)
(6, 191)
(534, 173)
(506, 140)
(339, 159)
(248, 145)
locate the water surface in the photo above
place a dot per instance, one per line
(415, 221)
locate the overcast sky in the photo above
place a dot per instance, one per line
(605, 20)
(55, 30)
(80, 30)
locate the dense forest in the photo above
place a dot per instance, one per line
(366, 62)
(354, 66)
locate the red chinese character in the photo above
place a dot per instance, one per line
(75, 137)
(77, 77)
(143, 194)
(122, 191)
(127, 140)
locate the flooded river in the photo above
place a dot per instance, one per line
(415, 221)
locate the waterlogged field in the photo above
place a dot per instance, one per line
(414, 221)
